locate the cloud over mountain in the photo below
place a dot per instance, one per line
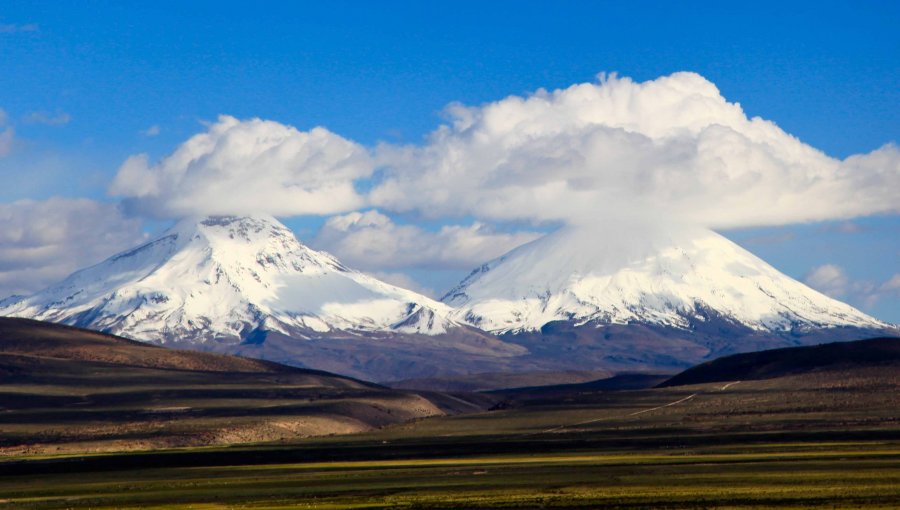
(371, 240)
(670, 147)
(247, 167)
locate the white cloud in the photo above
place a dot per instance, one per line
(892, 284)
(670, 147)
(248, 167)
(404, 281)
(829, 279)
(151, 131)
(833, 281)
(43, 241)
(60, 119)
(372, 241)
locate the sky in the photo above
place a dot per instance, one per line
(416, 140)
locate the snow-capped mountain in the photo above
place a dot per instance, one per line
(642, 273)
(223, 278)
(246, 285)
(619, 297)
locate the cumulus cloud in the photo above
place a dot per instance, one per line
(60, 119)
(372, 241)
(670, 147)
(247, 167)
(151, 131)
(43, 241)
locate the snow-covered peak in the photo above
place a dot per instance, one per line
(224, 277)
(243, 240)
(640, 272)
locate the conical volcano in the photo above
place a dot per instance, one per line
(646, 293)
(222, 277)
(246, 285)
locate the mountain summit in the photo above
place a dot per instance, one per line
(641, 273)
(246, 285)
(702, 293)
(217, 278)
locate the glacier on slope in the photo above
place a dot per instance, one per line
(633, 272)
(223, 278)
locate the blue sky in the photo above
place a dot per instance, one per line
(85, 86)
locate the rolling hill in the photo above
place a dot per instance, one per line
(65, 388)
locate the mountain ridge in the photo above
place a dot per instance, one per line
(618, 299)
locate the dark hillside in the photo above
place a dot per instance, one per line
(28, 337)
(67, 389)
(791, 361)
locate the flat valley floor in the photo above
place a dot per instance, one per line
(828, 439)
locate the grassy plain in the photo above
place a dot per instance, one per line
(796, 475)
(824, 440)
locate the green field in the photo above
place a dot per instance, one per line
(797, 475)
